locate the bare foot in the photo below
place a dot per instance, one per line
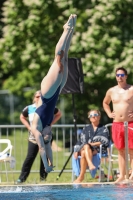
(131, 176)
(74, 19)
(92, 167)
(120, 179)
(79, 180)
(70, 23)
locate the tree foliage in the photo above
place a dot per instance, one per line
(103, 39)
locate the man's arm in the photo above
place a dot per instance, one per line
(106, 106)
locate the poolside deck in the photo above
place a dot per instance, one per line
(40, 184)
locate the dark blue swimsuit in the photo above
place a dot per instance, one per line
(46, 110)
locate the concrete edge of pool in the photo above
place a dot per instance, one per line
(126, 182)
(41, 184)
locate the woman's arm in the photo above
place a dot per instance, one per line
(95, 143)
(25, 122)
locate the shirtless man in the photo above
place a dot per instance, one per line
(121, 96)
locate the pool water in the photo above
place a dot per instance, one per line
(67, 192)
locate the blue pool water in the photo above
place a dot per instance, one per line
(67, 192)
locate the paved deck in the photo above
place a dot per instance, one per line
(40, 184)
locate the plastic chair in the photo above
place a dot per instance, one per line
(96, 161)
(113, 158)
(6, 155)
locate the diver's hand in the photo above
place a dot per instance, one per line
(49, 169)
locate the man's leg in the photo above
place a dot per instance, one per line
(131, 163)
(118, 138)
(130, 144)
(121, 162)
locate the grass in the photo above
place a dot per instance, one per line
(20, 142)
(34, 178)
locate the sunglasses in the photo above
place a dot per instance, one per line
(122, 75)
(93, 115)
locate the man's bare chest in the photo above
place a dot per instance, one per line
(122, 96)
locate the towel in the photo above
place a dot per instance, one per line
(76, 165)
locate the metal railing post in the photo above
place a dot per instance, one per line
(126, 148)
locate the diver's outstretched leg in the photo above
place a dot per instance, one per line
(53, 79)
(70, 35)
(65, 58)
(61, 45)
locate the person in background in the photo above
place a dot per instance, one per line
(26, 118)
(51, 87)
(93, 135)
(121, 97)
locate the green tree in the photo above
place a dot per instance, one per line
(29, 37)
(105, 41)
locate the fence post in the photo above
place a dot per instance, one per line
(126, 148)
